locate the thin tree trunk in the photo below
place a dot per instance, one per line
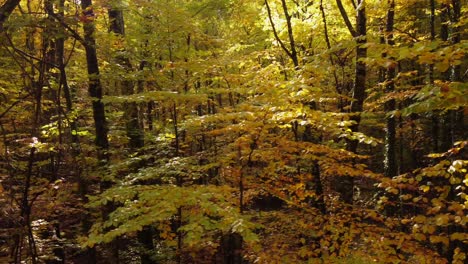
(292, 43)
(446, 133)
(390, 166)
(332, 62)
(292, 53)
(457, 116)
(435, 115)
(25, 217)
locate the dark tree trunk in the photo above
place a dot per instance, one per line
(145, 239)
(390, 166)
(359, 92)
(25, 217)
(134, 131)
(95, 87)
(5, 11)
(435, 115)
(292, 42)
(231, 249)
(457, 116)
(332, 62)
(346, 184)
(95, 92)
(291, 52)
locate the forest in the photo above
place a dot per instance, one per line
(233, 131)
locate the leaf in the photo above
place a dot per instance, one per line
(420, 219)
(425, 188)
(419, 237)
(459, 236)
(439, 239)
(442, 219)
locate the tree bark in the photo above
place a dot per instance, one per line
(446, 134)
(134, 131)
(94, 82)
(346, 185)
(435, 115)
(95, 92)
(457, 116)
(359, 93)
(390, 146)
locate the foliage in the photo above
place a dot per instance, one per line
(240, 143)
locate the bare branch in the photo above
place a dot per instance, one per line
(275, 33)
(290, 34)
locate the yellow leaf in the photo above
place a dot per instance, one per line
(442, 219)
(420, 219)
(405, 221)
(429, 229)
(459, 236)
(439, 239)
(420, 237)
(425, 188)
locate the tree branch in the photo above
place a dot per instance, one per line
(290, 34)
(68, 28)
(6, 10)
(13, 105)
(275, 33)
(346, 18)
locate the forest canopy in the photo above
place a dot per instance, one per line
(233, 131)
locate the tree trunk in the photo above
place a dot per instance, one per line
(134, 131)
(145, 238)
(457, 116)
(5, 11)
(95, 92)
(359, 93)
(435, 115)
(346, 185)
(95, 87)
(390, 158)
(291, 52)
